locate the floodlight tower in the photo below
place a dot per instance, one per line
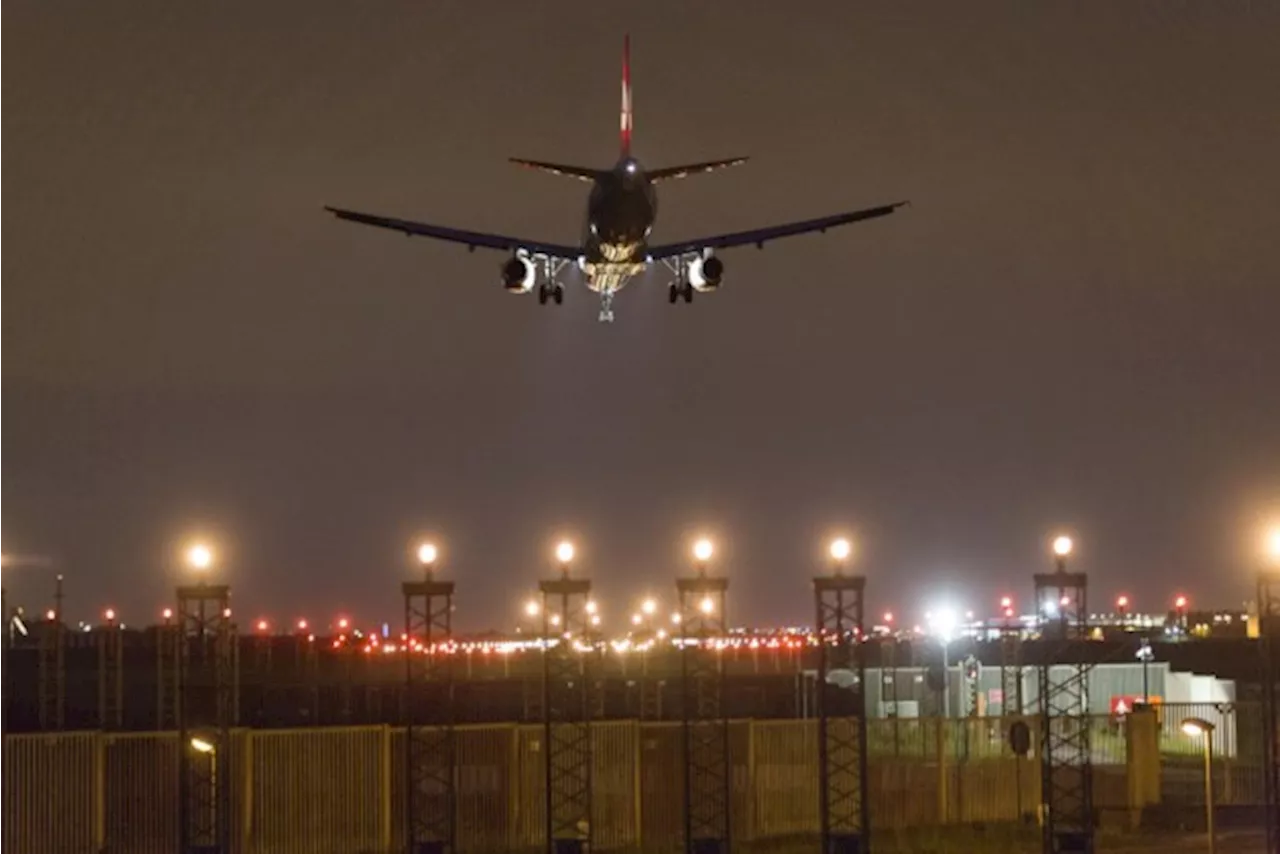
(1269, 641)
(110, 672)
(53, 664)
(567, 707)
(1065, 761)
(842, 720)
(705, 722)
(205, 698)
(430, 825)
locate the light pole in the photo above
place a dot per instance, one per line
(1195, 727)
(1145, 654)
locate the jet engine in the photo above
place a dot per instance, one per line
(518, 275)
(705, 273)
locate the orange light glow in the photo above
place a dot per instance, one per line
(167, 613)
(1180, 603)
(343, 623)
(110, 614)
(888, 616)
(262, 625)
(302, 625)
(1122, 602)
(1006, 602)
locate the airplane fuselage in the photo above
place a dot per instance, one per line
(621, 211)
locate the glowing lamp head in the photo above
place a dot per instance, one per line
(703, 549)
(199, 557)
(1122, 602)
(1006, 601)
(167, 613)
(649, 607)
(50, 615)
(302, 625)
(1180, 603)
(564, 552)
(343, 622)
(636, 619)
(531, 608)
(1271, 545)
(110, 614)
(840, 549)
(555, 619)
(1062, 546)
(427, 554)
(592, 607)
(707, 605)
(888, 617)
(1196, 727)
(595, 620)
(200, 745)
(262, 625)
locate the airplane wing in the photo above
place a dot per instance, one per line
(582, 173)
(760, 236)
(471, 239)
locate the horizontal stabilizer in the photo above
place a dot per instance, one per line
(582, 173)
(673, 172)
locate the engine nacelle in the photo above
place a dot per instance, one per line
(519, 275)
(705, 274)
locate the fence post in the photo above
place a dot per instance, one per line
(384, 787)
(944, 796)
(246, 779)
(99, 791)
(1142, 756)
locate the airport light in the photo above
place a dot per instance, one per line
(1200, 728)
(200, 745)
(554, 619)
(840, 549)
(592, 607)
(110, 615)
(1180, 603)
(595, 620)
(302, 625)
(262, 625)
(703, 549)
(636, 619)
(1006, 601)
(565, 552)
(707, 605)
(888, 618)
(1271, 546)
(649, 607)
(675, 618)
(167, 614)
(427, 555)
(532, 608)
(199, 557)
(1062, 546)
(51, 615)
(343, 622)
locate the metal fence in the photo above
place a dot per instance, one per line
(322, 790)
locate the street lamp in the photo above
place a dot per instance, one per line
(1062, 547)
(943, 623)
(1197, 728)
(649, 607)
(427, 555)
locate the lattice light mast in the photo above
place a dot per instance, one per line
(705, 723)
(430, 759)
(1065, 759)
(205, 698)
(842, 724)
(567, 707)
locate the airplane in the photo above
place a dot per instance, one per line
(621, 211)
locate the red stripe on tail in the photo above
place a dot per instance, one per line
(626, 96)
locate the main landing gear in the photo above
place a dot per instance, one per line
(606, 305)
(680, 287)
(678, 290)
(550, 290)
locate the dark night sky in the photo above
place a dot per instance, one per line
(1075, 324)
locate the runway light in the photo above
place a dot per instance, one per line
(427, 554)
(840, 549)
(649, 607)
(703, 549)
(1062, 546)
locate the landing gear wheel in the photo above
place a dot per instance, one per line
(558, 293)
(673, 294)
(542, 294)
(688, 293)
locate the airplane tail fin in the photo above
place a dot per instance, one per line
(626, 96)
